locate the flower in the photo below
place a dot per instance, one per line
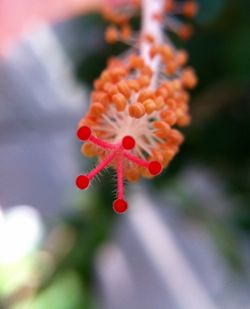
(135, 109)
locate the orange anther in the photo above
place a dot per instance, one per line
(169, 6)
(126, 32)
(134, 85)
(184, 96)
(88, 149)
(160, 103)
(167, 52)
(136, 62)
(171, 67)
(176, 85)
(124, 89)
(163, 91)
(156, 155)
(181, 58)
(110, 88)
(169, 154)
(100, 96)
(112, 35)
(145, 94)
(149, 38)
(97, 108)
(184, 120)
(185, 32)
(169, 117)
(121, 19)
(118, 72)
(150, 106)
(146, 70)
(114, 62)
(188, 78)
(190, 8)
(155, 50)
(136, 110)
(175, 137)
(163, 129)
(144, 80)
(120, 101)
(98, 84)
(105, 76)
(132, 174)
(171, 103)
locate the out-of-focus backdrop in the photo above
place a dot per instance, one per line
(184, 243)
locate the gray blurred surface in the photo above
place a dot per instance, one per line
(40, 105)
(162, 260)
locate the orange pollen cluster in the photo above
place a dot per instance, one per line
(120, 30)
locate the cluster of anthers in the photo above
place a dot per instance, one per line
(139, 99)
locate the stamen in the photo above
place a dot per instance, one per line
(140, 97)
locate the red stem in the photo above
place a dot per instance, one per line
(97, 141)
(136, 159)
(119, 170)
(101, 165)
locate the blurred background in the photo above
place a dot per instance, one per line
(184, 243)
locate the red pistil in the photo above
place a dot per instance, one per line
(84, 133)
(155, 168)
(117, 153)
(82, 182)
(128, 142)
(120, 206)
